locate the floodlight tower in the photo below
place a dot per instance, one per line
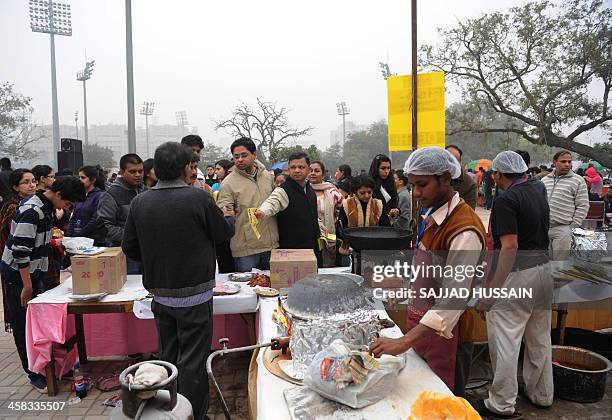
(181, 120)
(76, 123)
(343, 111)
(83, 76)
(53, 18)
(147, 110)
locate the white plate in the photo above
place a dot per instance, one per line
(88, 298)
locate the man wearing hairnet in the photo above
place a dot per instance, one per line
(519, 227)
(451, 234)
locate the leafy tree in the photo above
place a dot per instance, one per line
(362, 146)
(282, 153)
(534, 65)
(332, 158)
(604, 148)
(94, 154)
(212, 153)
(16, 129)
(266, 124)
(486, 145)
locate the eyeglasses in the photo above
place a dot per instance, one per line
(28, 182)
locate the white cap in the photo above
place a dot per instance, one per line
(432, 161)
(509, 162)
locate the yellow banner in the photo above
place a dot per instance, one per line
(430, 111)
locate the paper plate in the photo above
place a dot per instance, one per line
(266, 291)
(226, 289)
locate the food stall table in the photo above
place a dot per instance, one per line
(415, 378)
(48, 327)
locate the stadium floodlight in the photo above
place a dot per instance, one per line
(53, 18)
(147, 110)
(83, 76)
(343, 111)
(181, 120)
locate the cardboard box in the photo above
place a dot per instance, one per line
(105, 272)
(287, 266)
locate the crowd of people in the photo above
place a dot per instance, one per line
(486, 186)
(178, 226)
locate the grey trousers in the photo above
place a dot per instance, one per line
(528, 322)
(185, 336)
(560, 238)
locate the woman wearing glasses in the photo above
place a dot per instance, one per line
(22, 185)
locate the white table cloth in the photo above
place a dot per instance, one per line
(131, 290)
(415, 378)
(243, 302)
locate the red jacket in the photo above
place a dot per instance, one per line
(591, 176)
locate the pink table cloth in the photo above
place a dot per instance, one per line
(105, 335)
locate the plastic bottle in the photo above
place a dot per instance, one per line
(80, 388)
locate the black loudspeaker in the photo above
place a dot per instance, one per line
(69, 160)
(71, 145)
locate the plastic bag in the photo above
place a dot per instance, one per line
(76, 243)
(375, 386)
(305, 404)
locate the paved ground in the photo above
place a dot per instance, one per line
(15, 388)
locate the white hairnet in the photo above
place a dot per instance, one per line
(509, 162)
(432, 161)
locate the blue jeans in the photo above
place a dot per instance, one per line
(260, 261)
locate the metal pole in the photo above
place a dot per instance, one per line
(76, 125)
(147, 130)
(130, 78)
(85, 110)
(343, 130)
(413, 13)
(56, 131)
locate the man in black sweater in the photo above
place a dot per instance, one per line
(173, 230)
(295, 205)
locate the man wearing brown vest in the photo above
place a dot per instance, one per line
(451, 235)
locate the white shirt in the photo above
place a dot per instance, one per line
(444, 320)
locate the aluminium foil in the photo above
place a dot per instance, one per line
(359, 328)
(588, 245)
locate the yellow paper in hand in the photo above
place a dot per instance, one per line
(253, 221)
(325, 238)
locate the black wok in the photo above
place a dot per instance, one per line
(377, 238)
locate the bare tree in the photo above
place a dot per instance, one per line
(16, 127)
(266, 124)
(536, 65)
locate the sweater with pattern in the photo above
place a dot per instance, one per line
(568, 198)
(28, 242)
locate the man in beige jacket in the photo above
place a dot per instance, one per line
(248, 187)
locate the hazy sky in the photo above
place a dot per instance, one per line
(204, 57)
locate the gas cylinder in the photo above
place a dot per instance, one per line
(166, 404)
